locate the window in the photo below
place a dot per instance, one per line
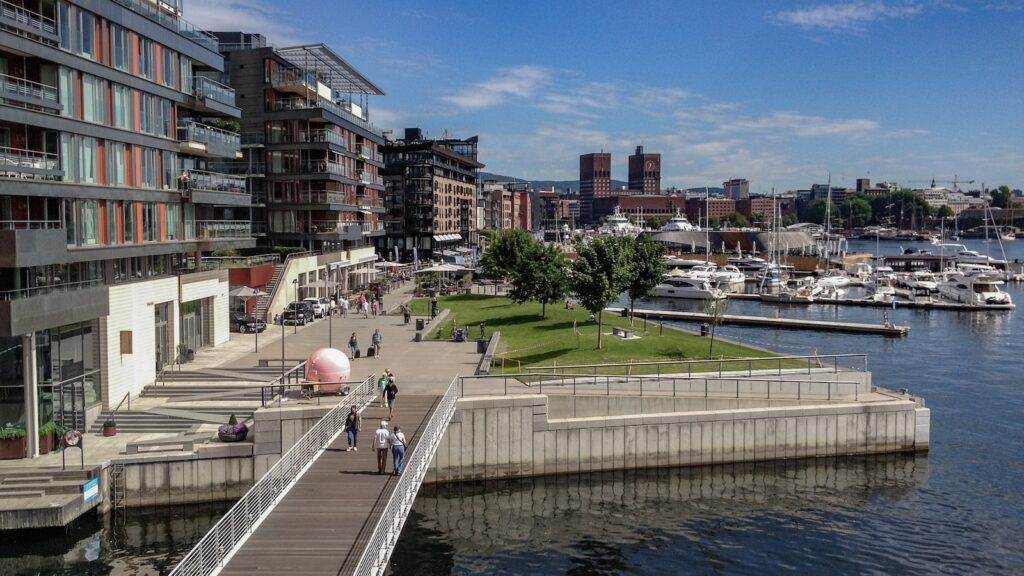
(94, 99)
(112, 209)
(147, 64)
(150, 222)
(89, 222)
(186, 74)
(129, 222)
(170, 68)
(173, 221)
(150, 168)
(156, 116)
(87, 25)
(81, 158)
(170, 170)
(68, 100)
(117, 174)
(124, 107)
(120, 50)
(77, 30)
(190, 221)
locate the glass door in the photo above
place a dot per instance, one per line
(160, 336)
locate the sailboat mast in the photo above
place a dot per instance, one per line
(707, 227)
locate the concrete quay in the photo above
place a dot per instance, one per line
(788, 323)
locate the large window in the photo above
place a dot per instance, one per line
(81, 158)
(147, 60)
(121, 48)
(124, 107)
(117, 173)
(150, 222)
(156, 116)
(94, 99)
(88, 222)
(130, 220)
(68, 97)
(173, 222)
(77, 30)
(112, 209)
(170, 68)
(150, 167)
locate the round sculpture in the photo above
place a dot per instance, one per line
(329, 367)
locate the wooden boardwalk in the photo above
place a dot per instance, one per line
(322, 525)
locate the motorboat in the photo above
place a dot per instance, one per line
(918, 280)
(882, 289)
(799, 291)
(834, 278)
(729, 278)
(961, 255)
(748, 265)
(688, 287)
(974, 289)
(617, 224)
(678, 223)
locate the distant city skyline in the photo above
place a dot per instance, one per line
(779, 95)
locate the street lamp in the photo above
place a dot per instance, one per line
(330, 312)
(295, 324)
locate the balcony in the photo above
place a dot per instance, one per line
(343, 110)
(23, 91)
(296, 81)
(30, 224)
(201, 140)
(253, 140)
(314, 197)
(323, 167)
(369, 203)
(366, 177)
(30, 309)
(222, 229)
(213, 97)
(366, 153)
(245, 168)
(168, 14)
(29, 164)
(344, 230)
(371, 228)
(204, 187)
(28, 21)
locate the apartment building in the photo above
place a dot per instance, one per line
(431, 194)
(111, 120)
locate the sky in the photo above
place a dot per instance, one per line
(780, 93)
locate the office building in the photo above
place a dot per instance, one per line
(645, 172)
(595, 182)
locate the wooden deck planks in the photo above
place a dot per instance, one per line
(322, 524)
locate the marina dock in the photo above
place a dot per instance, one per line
(789, 323)
(864, 303)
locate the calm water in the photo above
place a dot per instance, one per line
(958, 510)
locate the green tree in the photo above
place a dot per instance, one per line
(736, 219)
(504, 252)
(1002, 197)
(715, 310)
(944, 212)
(646, 267)
(789, 219)
(598, 274)
(856, 211)
(540, 276)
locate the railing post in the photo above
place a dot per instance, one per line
(737, 388)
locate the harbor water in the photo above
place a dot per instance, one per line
(957, 510)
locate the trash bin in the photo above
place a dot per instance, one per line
(420, 323)
(624, 312)
(703, 329)
(419, 337)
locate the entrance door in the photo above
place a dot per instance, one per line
(161, 336)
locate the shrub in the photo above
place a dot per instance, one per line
(12, 433)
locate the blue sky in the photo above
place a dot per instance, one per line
(780, 93)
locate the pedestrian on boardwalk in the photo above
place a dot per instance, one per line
(373, 307)
(433, 307)
(353, 421)
(333, 306)
(391, 392)
(344, 307)
(381, 440)
(406, 313)
(382, 387)
(353, 346)
(397, 441)
(376, 340)
(364, 306)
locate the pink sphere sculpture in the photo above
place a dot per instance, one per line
(328, 365)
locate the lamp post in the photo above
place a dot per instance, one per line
(330, 313)
(295, 324)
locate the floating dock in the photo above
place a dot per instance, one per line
(864, 303)
(790, 323)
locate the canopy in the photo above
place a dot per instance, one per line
(442, 268)
(387, 264)
(245, 292)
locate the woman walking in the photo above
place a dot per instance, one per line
(352, 423)
(376, 340)
(353, 346)
(397, 441)
(391, 392)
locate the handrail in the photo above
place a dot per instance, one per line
(128, 397)
(815, 357)
(28, 17)
(378, 549)
(233, 529)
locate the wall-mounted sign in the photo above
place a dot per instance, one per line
(90, 490)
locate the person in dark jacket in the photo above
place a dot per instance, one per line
(353, 421)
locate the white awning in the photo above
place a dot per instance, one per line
(447, 237)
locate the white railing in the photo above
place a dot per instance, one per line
(217, 140)
(28, 161)
(214, 229)
(230, 532)
(28, 18)
(374, 559)
(14, 87)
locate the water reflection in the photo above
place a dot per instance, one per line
(145, 541)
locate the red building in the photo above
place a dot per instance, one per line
(645, 172)
(595, 181)
(698, 209)
(757, 208)
(522, 210)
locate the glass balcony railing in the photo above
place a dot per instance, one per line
(201, 180)
(205, 88)
(321, 167)
(336, 109)
(368, 178)
(291, 79)
(366, 153)
(48, 289)
(369, 202)
(330, 226)
(32, 164)
(252, 168)
(371, 227)
(24, 18)
(216, 229)
(168, 14)
(218, 142)
(314, 197)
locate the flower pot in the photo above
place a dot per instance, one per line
(232, 432)
(12, 449)
(45, 443)
(110, 429)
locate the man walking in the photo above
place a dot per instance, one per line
(391, 392)
(344, 307)
(381, 440)
(406, 313)
(353, 346)
(352, 423)
(397, 441)
(376, 340)
(382, 387)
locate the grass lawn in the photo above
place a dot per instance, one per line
(529, 340)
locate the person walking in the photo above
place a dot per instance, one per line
(433, 307)
(376, 340)
(382, 387)
(352, 423)
(391, 392)
(353, 346)
(364, 306)
(344, 307)
(381, 441)
(397, 441)
(406, 313)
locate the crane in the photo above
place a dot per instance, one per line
(955, 182)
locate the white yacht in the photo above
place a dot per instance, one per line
(974, 289)
(687, 287)
(617, 224)
(748, 265)
(918, 280)
(961, 255)
(729, 278)
(834, 278)
(882, 289)
(678, 223)
(802, 290)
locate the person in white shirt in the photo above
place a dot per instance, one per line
(397, 441)
(381, 440)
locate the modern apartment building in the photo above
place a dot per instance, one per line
(111, 120)
(645, 172)
(595, 182)
(430, 194)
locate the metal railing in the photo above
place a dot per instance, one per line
(696, 386)
(207, 88)
(30, 224)
(168, 15)
(313, 197)
(218, 262)
(246, 168)
(15, 87)
(374, 559)
(367, 153)
(202, 180)
(858, 362)
(214, 229)
(7, 295)
(217, 141)
(32, 162)
(371, 227)
(27, 18)
(231, 531)
(338, 110)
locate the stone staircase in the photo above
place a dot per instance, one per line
(42, 497)
(139, 422)
(38, 482)
(263, 302)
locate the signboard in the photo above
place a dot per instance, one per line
(90, 490)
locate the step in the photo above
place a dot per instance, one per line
(14, 495)
(55, 473)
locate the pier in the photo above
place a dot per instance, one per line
(789, 323)
(865, 303)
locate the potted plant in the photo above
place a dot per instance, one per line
(48, 436)
(12, 443)
(110, 427)
(232, 431)
(182, 353)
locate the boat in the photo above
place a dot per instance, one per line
(834, 278)
(974, 289)
(802, 290)
(882, 289)
(678, 223)
(687, 287)
(729, 278)
(617, 224)
(748, 265)
(918, 280)
(961, 255)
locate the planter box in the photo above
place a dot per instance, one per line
(46, 444)
(12, 449)
(110, 431)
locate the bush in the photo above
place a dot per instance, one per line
(12, 433)
(52, 427)
(232, 421)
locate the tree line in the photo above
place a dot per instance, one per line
(603, 268)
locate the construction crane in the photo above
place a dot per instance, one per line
(955, 182)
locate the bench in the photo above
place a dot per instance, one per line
(622, 332)
(186, 443)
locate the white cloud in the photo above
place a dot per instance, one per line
(245, 16)
(845, 17)
(519, 82)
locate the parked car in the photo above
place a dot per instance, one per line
(241, 322)
(319, 308)
(299, 313)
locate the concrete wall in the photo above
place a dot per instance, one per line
(218, 472)
(514, 436)
(213, 285)
(277, 429)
